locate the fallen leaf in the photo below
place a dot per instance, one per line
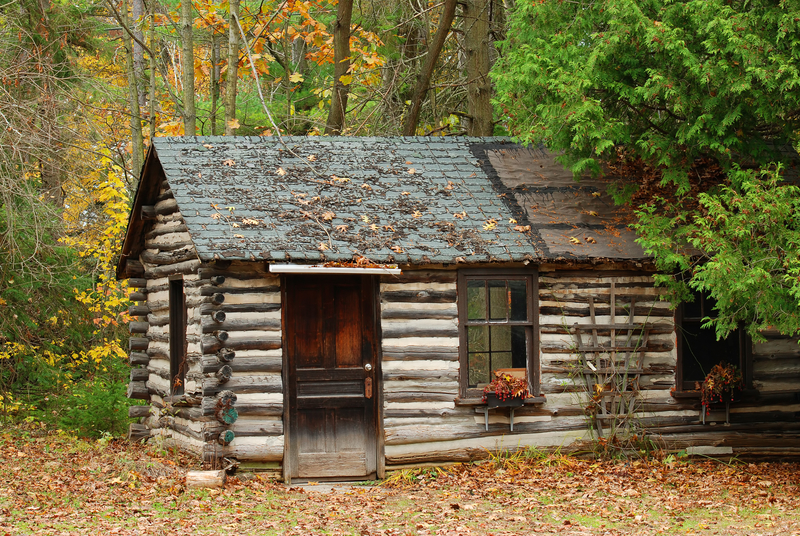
(280, 171)
(411, 171)
(311, 158)
(366, 186)
(341, 228)
(228, 162)
(591, 240)
(522, 228)
(365, 218)
(397, 249)
(512, 221)
(328, 216)
(322, 246)
(574, 240)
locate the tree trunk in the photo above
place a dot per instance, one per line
(479, 88)
(137, 10)
(189, 115)
(341, 60)
(137, 149)
(152, 103)
(215, 51)
(446, 21)
(233, 69)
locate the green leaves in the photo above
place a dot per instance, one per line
(742, 248)
(673, 80)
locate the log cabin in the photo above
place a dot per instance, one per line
(330, 308)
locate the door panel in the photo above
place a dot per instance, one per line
(330, 327)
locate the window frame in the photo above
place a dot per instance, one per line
(745, 352)
(532, 299)
(178, 320)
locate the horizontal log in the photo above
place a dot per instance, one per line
(261, 449)
(251, 410)
(422, 276)
(396, 332)
(138, 358)
(137, 296)
(148, 212)
(621, 312)
(417, 353)
(270, 383)
(210, 344)
(138, 310)
(262, 324)
(419, 314)
(167, 206)
(419, 296)
(423, 374)
(137, 282)
(217, 298)
(162, 229)
(223, 374)
(165, 194)
(246, 273)
(246, 428)
(268, 289)
(208, 308)
(243, 365)
(134, 268)
(138, 391)
(186, 267)
(205, 479)
(137, 432)
(138, 327)
(404, 435)
(218, 317)
(139, 375)
(169, 257)
(137, 412)
(417, 397)
(138, 343)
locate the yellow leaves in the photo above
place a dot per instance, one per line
(417, 214)
(411, 171)
(296, 78)
(365, 218)
(522, 228)
(339, 179)
(490, 224)
(311, 158)
(460, 215)
(574, 240)
(250, 221)
(366, 186)
(233, 124)
(592, 213)
(346, 79)
(322, 246)
(280, 171)
(512, 221)
(397, 249)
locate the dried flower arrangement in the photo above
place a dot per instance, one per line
(721, 384)
(506, 386)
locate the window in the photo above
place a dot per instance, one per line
(497, 316)
(177, 336)
(698, 347)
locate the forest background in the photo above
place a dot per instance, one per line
(691, 108)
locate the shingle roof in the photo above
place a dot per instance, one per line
(315, 199)
(405, 200)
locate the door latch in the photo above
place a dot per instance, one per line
(368, 387)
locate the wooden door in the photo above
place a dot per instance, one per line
(330, 336)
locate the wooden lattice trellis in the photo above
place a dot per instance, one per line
(611, 371)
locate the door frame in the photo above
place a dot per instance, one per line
(288, 461)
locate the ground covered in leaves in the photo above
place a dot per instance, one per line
(52, 483)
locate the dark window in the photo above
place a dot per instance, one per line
(698, 347)
(497, 326)
(177, 336)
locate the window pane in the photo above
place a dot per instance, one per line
(693, 309)
(501, 360)
(519, 347)
(476, 300)
(701, 350)
(501, 338)
(478, 369)
(498, 300)
(477, 338)
(518, 292)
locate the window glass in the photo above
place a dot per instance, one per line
(497, 328)
(498, 300)
(476, 300)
